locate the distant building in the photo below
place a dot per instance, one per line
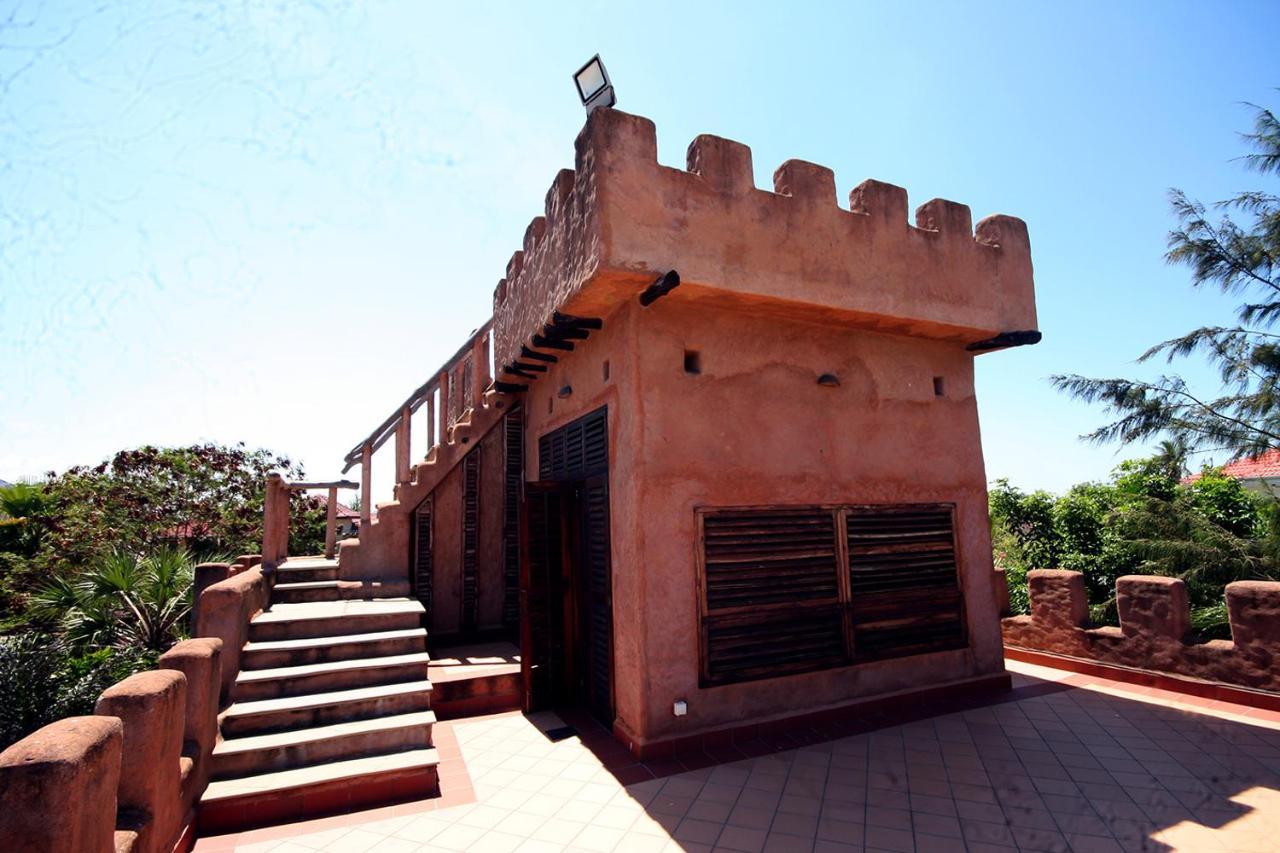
(348, 519)
(1259, 474)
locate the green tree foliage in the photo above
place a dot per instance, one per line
(1208, 532)
(209, 494)
(207, 497)
(1242, 416)
(22, 518)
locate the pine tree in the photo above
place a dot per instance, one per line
(1242, 417)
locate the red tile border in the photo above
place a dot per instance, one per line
(1186, 689)
(347, 806)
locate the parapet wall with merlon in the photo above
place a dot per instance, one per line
(620, 219)
(1155, 628)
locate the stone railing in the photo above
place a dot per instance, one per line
(1155, 628)
(225, 607)
(129, 777)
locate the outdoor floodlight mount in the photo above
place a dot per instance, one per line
(594, 86)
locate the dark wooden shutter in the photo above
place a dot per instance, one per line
(422, 563)
(576, 450)
(470, 539)
(904, 589)
(543, 554)
(513, 473)
(772, 593)
(599, 627)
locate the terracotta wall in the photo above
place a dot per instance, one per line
(545, 411)
(446, 555)
(224, 610)
(446, 523)
(620, 218)
(381, 553)
(1155, 623)
(754, 427)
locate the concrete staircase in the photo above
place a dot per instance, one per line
(331, 709)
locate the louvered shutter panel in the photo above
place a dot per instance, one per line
(905, 594)
(577, 450)
(595, 556)
(470, 539)
(513, 473)
(422, 562)
(772, 591)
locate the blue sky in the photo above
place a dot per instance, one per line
(269, 221)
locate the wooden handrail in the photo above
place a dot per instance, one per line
(413, 402)
(335, 484)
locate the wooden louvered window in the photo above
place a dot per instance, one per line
(795, 589)
(904, 590)
(577, 450)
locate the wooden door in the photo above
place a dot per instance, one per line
(542, 560)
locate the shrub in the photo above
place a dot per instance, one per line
(42, 681)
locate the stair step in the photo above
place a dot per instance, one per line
(261, 716)
(329, 676)
(287, 573)
(268, 753)
(276, 653)
(331, 787)
(335, 618)
(309, 591)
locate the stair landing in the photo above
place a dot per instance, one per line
(475, 679)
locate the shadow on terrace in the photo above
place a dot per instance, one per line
(1062, 762)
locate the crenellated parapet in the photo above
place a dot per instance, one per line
(619, 219)
(1155, 628)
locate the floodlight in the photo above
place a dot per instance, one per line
(593, 84)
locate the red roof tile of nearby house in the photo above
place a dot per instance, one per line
(186, 530)
(343, 510)
(1255, 468)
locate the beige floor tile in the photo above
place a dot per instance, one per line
(496, 842)
(558, 831)
(456, 837)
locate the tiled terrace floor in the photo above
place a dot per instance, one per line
(1068, 762)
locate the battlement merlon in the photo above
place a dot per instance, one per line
(620, 219)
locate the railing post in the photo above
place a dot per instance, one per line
(402, 446)
(431, 420)
(444, 406)
(331, 524)
(275, 521)
(366, 490)
(479, 368)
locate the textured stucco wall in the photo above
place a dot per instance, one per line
(755, 428)
(620, 217)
